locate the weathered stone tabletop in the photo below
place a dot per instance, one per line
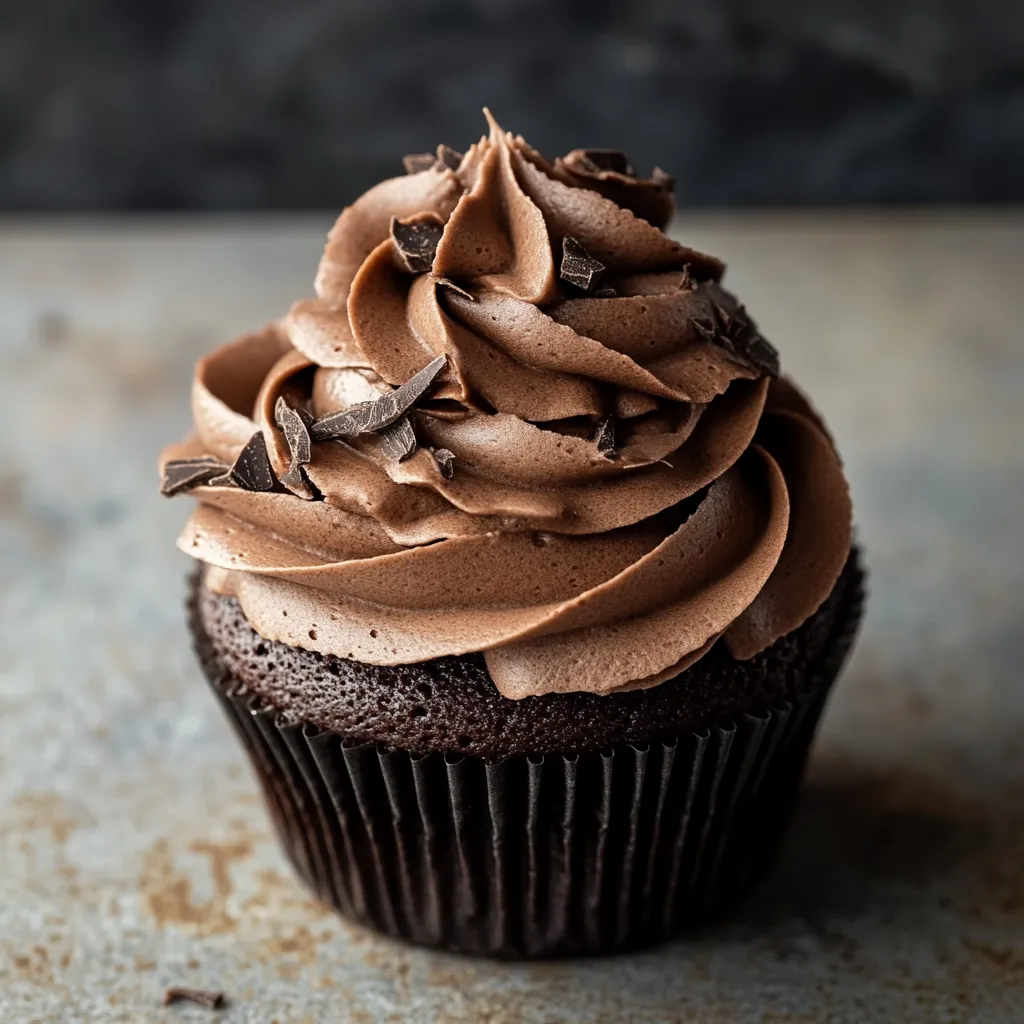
(134, 852)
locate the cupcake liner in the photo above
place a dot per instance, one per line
(537, 856)
(530, 856)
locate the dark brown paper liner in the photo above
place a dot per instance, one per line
(545, 856)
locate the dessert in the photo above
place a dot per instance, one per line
(524, 572)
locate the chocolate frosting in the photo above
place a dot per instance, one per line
(628, 481)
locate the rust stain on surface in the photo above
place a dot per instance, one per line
(221, 857)
(169, 893)
(35, 811)
(293, 951)
(1004, 962)
(34, 965)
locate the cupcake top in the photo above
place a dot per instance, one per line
(518, 418)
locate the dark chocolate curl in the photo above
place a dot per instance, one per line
(369, 417)
(578, 266)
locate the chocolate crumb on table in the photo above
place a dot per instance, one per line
(212, 1000)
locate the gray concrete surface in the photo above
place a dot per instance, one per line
(134, 852)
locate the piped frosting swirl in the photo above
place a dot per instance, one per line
(625, 478)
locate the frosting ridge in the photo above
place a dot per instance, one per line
(604, 478)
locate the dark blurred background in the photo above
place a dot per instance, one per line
(225, 104)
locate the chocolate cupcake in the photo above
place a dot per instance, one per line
(524, 574)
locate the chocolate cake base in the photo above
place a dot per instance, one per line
(419, 801)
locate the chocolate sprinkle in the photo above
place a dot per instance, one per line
(416, 240)
(448, 157)
(368, 417)
(211, 1000)
(445, 461)
(605, 436)
(252, 470)
(398, 441)
(415, 163)
(578, 266)
(183, 474)
(611, 160)
(447, 282)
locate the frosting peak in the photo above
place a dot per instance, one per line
(518, 418)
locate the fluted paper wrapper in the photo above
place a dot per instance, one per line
(532, 857)
(538, 856)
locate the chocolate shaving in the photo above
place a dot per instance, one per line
(664, 179)
(252, 470)
(447, 282)
(578, 266)
(687, 282)
(705, 327)
(760, 353)
(398, 441)
(610, 160)
(445, 461)
(605, 293)
(448, 157)
(183, 474)
(725, 318)
(295, 425)
(295, 479)
(444, 156)
(605, 436)
(734, 332)
(738, 336)
(369, 417)
(416, 240)
(211, 1000)
(415, 163)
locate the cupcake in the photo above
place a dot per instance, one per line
(523, 573)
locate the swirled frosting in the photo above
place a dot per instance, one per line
(721, 511)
